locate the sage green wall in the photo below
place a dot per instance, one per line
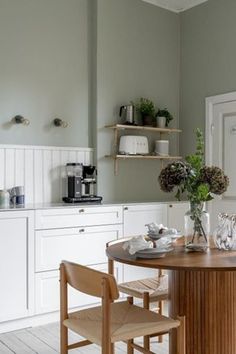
(208, 61)
(44, 65)
(137, 55)
(79, 60)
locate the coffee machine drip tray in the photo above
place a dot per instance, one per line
(83, 199)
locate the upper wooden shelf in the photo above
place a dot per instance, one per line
(150, 157)
(142, 127)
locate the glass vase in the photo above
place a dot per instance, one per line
(197, 228)
(225, 234)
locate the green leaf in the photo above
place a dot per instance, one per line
(202, 192)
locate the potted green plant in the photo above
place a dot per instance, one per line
(146, 108)
(163, 117)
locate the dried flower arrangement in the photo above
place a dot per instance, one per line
(198, 181)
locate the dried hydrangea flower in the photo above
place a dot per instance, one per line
(215, 178)
(174, 174)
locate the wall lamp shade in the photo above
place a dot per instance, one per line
(18, 119)
(60, 123)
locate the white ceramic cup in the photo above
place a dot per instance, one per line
(162, 147)
(4, 199)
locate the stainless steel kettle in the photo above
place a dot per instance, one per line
(127, 114)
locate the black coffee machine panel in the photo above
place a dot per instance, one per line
(81, 181)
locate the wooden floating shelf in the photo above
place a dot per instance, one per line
(142, 127)
(150, 157)
(120, 127)
(116, 158)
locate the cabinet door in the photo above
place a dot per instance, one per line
(135, 218)
(82, 245)
(16, 264)
(48, 289)
(175, 214)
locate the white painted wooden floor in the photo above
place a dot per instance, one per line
(45, 340)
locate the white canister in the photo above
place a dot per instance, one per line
(162, 147)
(4, 199)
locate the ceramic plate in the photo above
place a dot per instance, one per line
(153, 252)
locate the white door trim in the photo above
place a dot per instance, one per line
(209, 126)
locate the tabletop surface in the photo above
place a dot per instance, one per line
(178, 259)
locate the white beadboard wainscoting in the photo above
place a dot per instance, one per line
(40, 169)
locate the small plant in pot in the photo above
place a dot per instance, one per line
(146, 108)
(163, 117)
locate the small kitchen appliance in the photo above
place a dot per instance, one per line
(81, 180)
(127, 114)
(133, 145)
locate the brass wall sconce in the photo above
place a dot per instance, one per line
(18, 119)
(60, 123)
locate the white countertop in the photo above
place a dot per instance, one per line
(79, 205)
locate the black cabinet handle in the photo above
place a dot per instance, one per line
(81, 211)
(126, 208)
(81, 230)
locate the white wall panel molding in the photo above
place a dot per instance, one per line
(41, 169)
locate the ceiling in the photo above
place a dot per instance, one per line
(176, 5)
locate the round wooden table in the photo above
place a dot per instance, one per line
(202, 287)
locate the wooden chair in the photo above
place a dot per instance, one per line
(149, 290)
(112, 321)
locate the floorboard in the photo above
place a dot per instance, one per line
(4, 349)
(46, 340)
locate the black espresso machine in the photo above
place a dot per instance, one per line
(81, 181)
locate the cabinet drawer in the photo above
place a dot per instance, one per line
(47, 294)
(70, 217)
(83, 245)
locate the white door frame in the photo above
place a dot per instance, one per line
(209, 124)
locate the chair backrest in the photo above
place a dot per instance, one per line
(89, 281)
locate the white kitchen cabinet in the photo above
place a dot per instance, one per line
(47, 290)
(16, 264)
(82, 245)
(76, 217)
(83, 242)
(135, 218)
(175, 215)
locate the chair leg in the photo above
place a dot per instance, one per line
(146, 304)
(160, 305)
(105, 350)
(112, 351)
(181, 336)
(107, 347)
(130, 349)
(64, 339)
